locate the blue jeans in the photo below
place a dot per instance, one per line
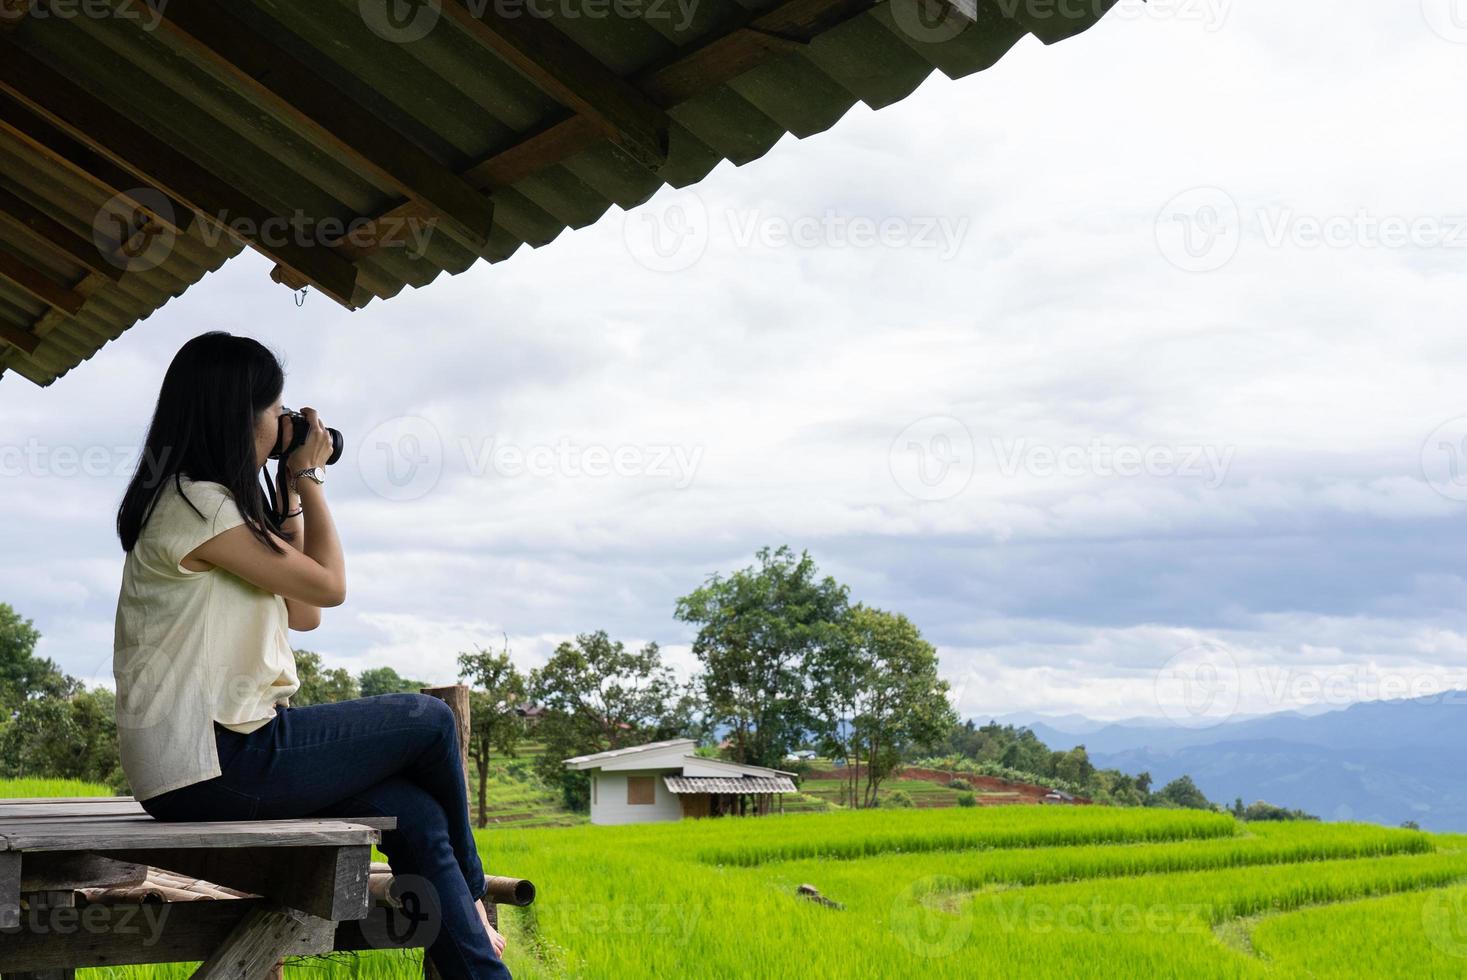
(395, 755)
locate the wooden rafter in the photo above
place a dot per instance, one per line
(22, 125)
(20, 213)
(570, 75)
(770, 35)
(274, 78)
(761, 39)
(132, 147)
(39, 285)
(18, 336)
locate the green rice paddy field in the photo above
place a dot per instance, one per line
(1018, 891)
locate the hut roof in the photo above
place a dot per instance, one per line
(720, 784)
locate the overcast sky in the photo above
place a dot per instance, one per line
(1153, 377)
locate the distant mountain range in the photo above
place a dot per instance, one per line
(1377, 761)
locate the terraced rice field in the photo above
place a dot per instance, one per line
(1023, 891)
(524, 803)
(1002, 891)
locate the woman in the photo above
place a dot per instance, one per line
(214, 576)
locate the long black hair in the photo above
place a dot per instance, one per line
(204, 428)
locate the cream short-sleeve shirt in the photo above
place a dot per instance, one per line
(191, 648)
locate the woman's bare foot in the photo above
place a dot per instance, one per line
(495, 939)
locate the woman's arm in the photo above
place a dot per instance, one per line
(300, 616)
(314, 576)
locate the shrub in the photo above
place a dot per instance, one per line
(960, 784)
(1267, 811)
(967, 799)
(898, 798)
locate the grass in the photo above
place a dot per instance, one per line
(1427, 930)
(990, 891)
(1089, 892)
(11, 789)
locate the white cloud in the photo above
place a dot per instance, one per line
(1046, 315)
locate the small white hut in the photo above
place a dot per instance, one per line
(669, 781)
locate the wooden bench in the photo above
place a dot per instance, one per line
(75, 891)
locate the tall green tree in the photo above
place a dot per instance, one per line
(320, 684)
(900, 702)
(497, 692)
(1180, 792)
(23, 675)
(72, 737)
(385, 680)
(1074, 766)
(599, 695)
(757, 630)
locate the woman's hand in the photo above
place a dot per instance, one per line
(313, 574)
(317, 448)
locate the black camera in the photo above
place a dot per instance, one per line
(299, 427)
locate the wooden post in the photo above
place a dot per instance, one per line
(41, 902)
(256, 947)
(9, 889)
(456, 697)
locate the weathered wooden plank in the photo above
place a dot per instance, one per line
(126, 834)
(10, 809)
(37, 800)
(329, 882)
(44, 871)
(47, 907)
(124, 934)
(121, 808)
(265, 935)
(19, 801)
(9, 890)
(129, 820)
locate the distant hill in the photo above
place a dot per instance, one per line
(1378, 761)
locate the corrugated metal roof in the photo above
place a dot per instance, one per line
(718, 784)
(630, 750)
(213, 112)
(56, 202)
